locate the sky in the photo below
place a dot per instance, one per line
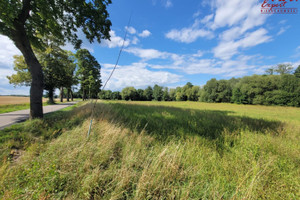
(172, 42)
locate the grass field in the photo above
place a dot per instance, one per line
(154, 150)
(14, 103)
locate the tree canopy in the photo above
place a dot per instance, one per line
(88, 74)
(27, 22)
(58, 69)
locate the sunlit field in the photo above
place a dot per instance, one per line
(14, 103)
(7, 100)
(154, 150)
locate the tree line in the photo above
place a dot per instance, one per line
(61, 69)
(279, 86)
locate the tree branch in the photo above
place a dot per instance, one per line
(24, 14)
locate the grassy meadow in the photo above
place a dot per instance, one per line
(154, 150)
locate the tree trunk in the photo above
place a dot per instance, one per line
(68, 94)
(51, 100)
(83, 95)
(36, 90)
(61, 94)
(71, 92)
(89, 92)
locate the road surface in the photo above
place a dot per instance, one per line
(7, 119)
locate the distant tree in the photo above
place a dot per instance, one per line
(166, 96)
(270, 71)
(284, 69)
(297, 72)
(148, 93)
(116, 95)
(210, 90)
(23, 76)
(172, 94)
(185, 91)
(106, 94)
(157, 93)
(129, 93)
(140, 95)
(25, 21)
(58, 70)
(180, 94)
(88, 74)
(193, 93)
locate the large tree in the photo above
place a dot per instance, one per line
(284, 69)
(25, 21)
(88, 74)
(58, 69)
(157, 92)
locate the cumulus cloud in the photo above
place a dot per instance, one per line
(188, 35)
(196, 63)
(145, 33)
(147, 54)
(226, 49)
(7, 51)
(235, 12)
(136, 75)
(130, 30)
(115, 41)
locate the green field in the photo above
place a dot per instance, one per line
(154, 150)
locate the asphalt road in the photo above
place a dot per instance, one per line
(7, 119)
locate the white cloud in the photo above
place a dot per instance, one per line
(188, 35)
(196, 63)
(10, 90)
(6, 88)
(130, 30)
(115, 41)
(5, 72)
(197, 14)
(233, 12)
(255, 38)
(207, 18)
(282, 30)
(136, 75)
(147, 54)
(168, 4)
(226, 49)
(7, 51)
(145, 34)
(135, 40)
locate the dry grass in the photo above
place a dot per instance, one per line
(9, 100)
(122, 161)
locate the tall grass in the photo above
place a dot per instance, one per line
(154, 151)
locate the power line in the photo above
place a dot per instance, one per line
(120, 52)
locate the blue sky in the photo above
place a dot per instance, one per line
(171, 42)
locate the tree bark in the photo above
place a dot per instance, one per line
(51, 100)
(68, 94)
(61, 94)
(83, 95)
(71, 94)
(36, 90)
